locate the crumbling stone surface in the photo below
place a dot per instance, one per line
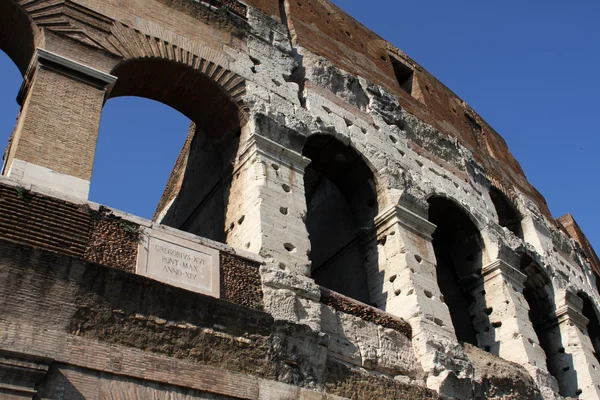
(263, 81)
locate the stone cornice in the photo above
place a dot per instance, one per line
(406, 218)
(66, 66)
(566, 314)
(267, 148)
(505, 270)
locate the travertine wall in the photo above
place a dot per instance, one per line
(261, 81)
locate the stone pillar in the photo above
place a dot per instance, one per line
(265, 215)
(503, 324)
(572, 358)
(267, 205)
(54, 142)
(407, 266)
(503, 321)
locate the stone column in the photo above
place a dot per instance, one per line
(265, 215)
(503, 324)
(54, 142)
(407, 271)
(267, 205)
(572, 358)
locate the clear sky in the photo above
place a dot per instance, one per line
(530, 69)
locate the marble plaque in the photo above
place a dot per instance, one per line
(180, 263)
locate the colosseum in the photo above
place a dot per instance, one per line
(339, 224)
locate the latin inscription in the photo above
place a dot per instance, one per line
(189, 268)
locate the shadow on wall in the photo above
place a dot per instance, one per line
(593, 326)
(341, 200)
(458, 251)
(203, 177)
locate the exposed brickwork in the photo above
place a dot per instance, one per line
(113, 242)
(568, 223)
(37, 220)
(363, 311)
(353, 384)
(68, 142)
(240, 282)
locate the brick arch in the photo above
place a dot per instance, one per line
(18, 33)
(209, 65)
(184, 88)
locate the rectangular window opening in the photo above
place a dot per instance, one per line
(404, 75)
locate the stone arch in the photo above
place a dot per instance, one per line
(458, 248)
(342, 203)
(18, 33)
(196, 195)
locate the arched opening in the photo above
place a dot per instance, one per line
(593, 326)
(341, 206)
(138, 144)
(16, 34)
(10, 80)
(508, 216)
(196, 193)
(458, 251)
(539, 294)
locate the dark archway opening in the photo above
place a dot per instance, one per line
(195, 196)
(341, 206)
(539, 294)
(458, 252)
(593, 326)
(508, 216)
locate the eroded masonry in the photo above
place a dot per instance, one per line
(338, 224)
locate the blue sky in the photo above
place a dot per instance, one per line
(530, 69)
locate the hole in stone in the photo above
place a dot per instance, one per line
(327, 110)
(282, 265)
(248, 245)
(489, 310)
(487, 348)
(482, 292)
(275, 167)
(393, 278)
(286, 188)
(561, 350)
(428, 294)
(348, 122)
(419, 163)
(363, 130)
(276, 82)
(241, 220)
(418, 258)
(290, 247)
(497, 324)
(376, 127)
(438, 322)
(393, 139)
(411, 291)
(397, 292)
(283, 210)
(254, 60)
(382, 241)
